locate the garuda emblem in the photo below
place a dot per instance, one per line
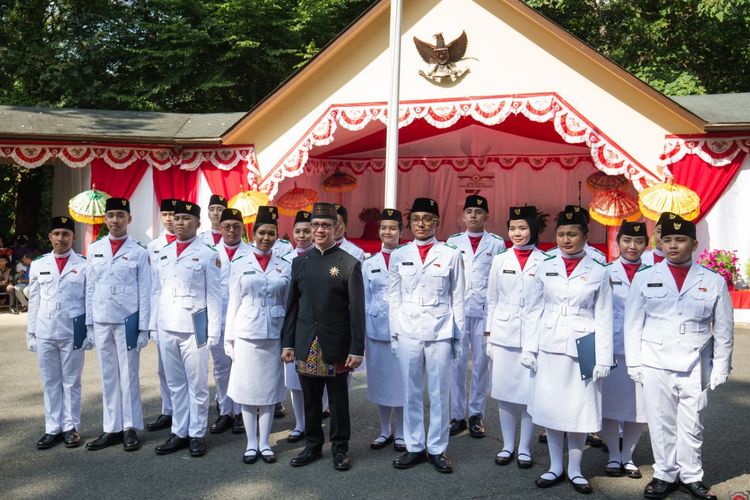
(444, 57)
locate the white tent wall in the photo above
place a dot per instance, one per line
(145, 211)
(204, 195)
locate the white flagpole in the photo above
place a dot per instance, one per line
(391, 141)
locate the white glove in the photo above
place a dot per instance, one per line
(600, 372)
(457, 348)
(31, 342)
(636, 374)
(488, 349)
(154, 336)
(142, 340)
(394, 346)
(229, 348)
(717, 380)
(88, 343)
(213, 341)
(528, 359)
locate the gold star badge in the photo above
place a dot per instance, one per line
(333, 271)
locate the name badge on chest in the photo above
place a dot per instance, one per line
(509, 271)
(552, 274)
(655, 285)
(375, 271)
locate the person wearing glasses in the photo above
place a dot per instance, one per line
(324, 334)
(426, 319)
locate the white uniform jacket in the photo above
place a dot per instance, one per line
(155, 246)
(618, 278)
(121, 285)
(257, 298)
(571, 308)
(665, 328)
(184, 285)
(352, 249)
(56, 298)
(591, 251)
(207, 237)
(509, 298)
(648, 258)
(281, 247)
(226, 267)
(477, 269)
(426, 300)
(375, 276)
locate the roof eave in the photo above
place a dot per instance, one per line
(727, 127)
(89, 139)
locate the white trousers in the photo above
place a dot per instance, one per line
(475, 342)
(121, 384)
(166, 397)
(61, 367)
(674, 410)
(222, 369)
(433, 360)
(186, 367)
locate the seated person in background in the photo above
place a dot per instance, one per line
(17, 290)
(6, 280)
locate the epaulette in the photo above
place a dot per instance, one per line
(546, 254)
(503, 251)
(81, 256)
(212, 247)
(550, 258)
(455, 235)
(497, 237)
(603, 264)
(282, 239)
(643, 268)
(704, 267)
(454, 247)
(141, 244)
(552, 249)
(596, 250)
(237, 258)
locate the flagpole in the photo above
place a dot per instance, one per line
(391, 140)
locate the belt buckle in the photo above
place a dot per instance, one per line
(683, 329)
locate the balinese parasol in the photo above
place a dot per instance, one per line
(611, 207)
(88, 206)
(297, 199)
(669, 197)
(248, 202)
(339, 182)
(599, 181)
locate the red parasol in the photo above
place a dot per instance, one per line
(296, 199)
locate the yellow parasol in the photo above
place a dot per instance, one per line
(297, 199)
(88, 206)
(611, 207)
(248, 202)
(599, 181)
(669, 197)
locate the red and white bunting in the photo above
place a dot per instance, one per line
(716, 151)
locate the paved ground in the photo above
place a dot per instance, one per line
(62, 473)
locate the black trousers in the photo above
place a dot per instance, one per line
(338, 402)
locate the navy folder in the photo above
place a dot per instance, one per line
(586, 355)
(200, 325)
(707, 363)
(79, 331)
(131, 331)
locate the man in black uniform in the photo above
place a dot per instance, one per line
(324, 331)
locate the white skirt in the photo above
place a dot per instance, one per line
(560, 400)
(384, 384)
(511, 381)
(622, 399)
(291, 377)
(257, 375)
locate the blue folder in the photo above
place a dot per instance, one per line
(131, 331)
(586, 355)
(79, 331)
(707, 363)
(200, 325)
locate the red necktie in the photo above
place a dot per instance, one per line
(217, 238)
(387, 259)
(630, 270)
(679, 274)
(658, 258)
(424, 250)
(116, 245)
(571, 264)
(61, 261)
(522, 256)
(182, 245)
(263, 260)
(231, 252)
(170, 237)
(475, 242)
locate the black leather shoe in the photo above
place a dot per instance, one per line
(542, 482)
(659, 489)
(613, 469)
(130, 440)
(504, 460)
(172, 444)
(698, 490)
(476, 427)
(342, 461)
(295, 436)
(524, 461)
(161, 422)
(594, 440)
(305, 457)
(441, 462)
(399, 445)
(49, 440)
(250, 456)
(584, 488)
(268, 458)
(279, 411)
(238, 425)
(221, 424)
(105, 440)
(381, 442)
(458, 426)
(71, 438)
(410, 459)
(631, 473)
(197, 447)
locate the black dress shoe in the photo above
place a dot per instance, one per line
(698, 490)
(506, 459)
(476, 427)
(250, 456)
(399, 445)
(71, 438)
(268, 458)
(197, 447)
(295, 436)
(613, 469)
(410, 459)
(542, 482)
(305, 457)
(379, 444)
(441, 462)
(584, 488)
(594, 440)
(161, 422)
(172, 444)
(659, 489)
(130, 440)
(221, 424)
(631, 473)
(49, 440)
(342, 461)
(105, 440)
(279, 411)
(238, 425)
(458, 426)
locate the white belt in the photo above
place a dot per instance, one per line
(683, 328)
(566, 310)
(263, 301)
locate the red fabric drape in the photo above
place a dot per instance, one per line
(114, 182)
(227, 183)
(708, 181)
(176, 183)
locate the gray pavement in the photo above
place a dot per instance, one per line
(26, 472)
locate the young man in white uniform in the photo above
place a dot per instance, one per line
(216, 205)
